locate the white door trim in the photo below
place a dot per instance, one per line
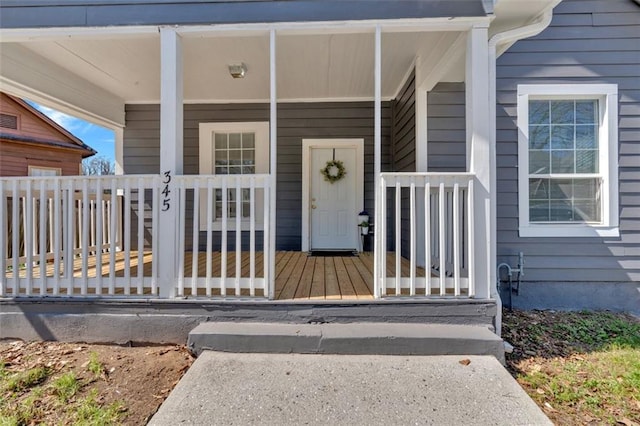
(307, 145)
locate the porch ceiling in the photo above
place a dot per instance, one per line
(327, 66)
(93, 74)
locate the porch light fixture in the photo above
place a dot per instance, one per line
(237, 70)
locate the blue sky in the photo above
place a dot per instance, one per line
(97, 137)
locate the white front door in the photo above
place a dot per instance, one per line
(333, 206)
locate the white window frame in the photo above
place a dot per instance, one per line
(206, 160)
(607, 96)
(32, 169)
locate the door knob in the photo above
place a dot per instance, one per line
(313, 206)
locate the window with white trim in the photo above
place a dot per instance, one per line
(234, 149)
(567, 160)
(41, 171)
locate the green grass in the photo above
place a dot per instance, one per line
(95, 366)
(597, 330)
(592, 383)
(66, 386)
(584, 365)
(23, 380)
(24, 412)
(89, 412)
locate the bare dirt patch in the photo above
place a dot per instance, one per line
(64, 383)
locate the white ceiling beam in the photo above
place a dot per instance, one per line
(28, 75)
(436, 65)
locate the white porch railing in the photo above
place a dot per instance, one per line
(215, 207)
(78, 236)
(98, 236)
(439, 248)
(72, 235)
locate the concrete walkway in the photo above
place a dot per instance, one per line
(295, 389)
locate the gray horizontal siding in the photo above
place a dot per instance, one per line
(65, 13)
(446, 128)
(587, 42)
(295, 122)
(404, 149)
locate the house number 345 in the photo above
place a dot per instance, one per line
(166, 200)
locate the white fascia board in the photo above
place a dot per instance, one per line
(18, 35)
(26, 74)
(341, 27)
(21, 35)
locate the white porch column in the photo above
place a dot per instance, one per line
(273, 157)
(479, 154)
(118, 133)
(421, 94)
(379, 246)
(171, 129)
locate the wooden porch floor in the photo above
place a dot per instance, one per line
(298, 275)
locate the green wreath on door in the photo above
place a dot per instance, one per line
(333, 171)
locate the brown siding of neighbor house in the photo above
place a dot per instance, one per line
(16, 157)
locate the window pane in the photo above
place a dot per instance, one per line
(562, 161)
(539, 189)
(586, 211)
(586, 112)
(248, 157)
(562, 137)
(235, 157)
(538, 112)
(560, 211)
(248, 140)
(586, 188)
(586, 161)
(234, 141)
(539, 211)
(586, 137)
(221, 158)
(246, 210)
(560, 189)
(222, 170)
(539, 137)
(561, 112)
(248, 170)
(539, 162)
(234, 170)
(246, 193)
(221, 140)
(570, 200)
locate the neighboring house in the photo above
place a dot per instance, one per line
(31, 144)
(249, 133)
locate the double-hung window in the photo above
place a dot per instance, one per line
(233, 149)
(567, 160)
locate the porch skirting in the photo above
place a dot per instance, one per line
(170, 321)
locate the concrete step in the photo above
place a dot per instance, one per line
(346, 339)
